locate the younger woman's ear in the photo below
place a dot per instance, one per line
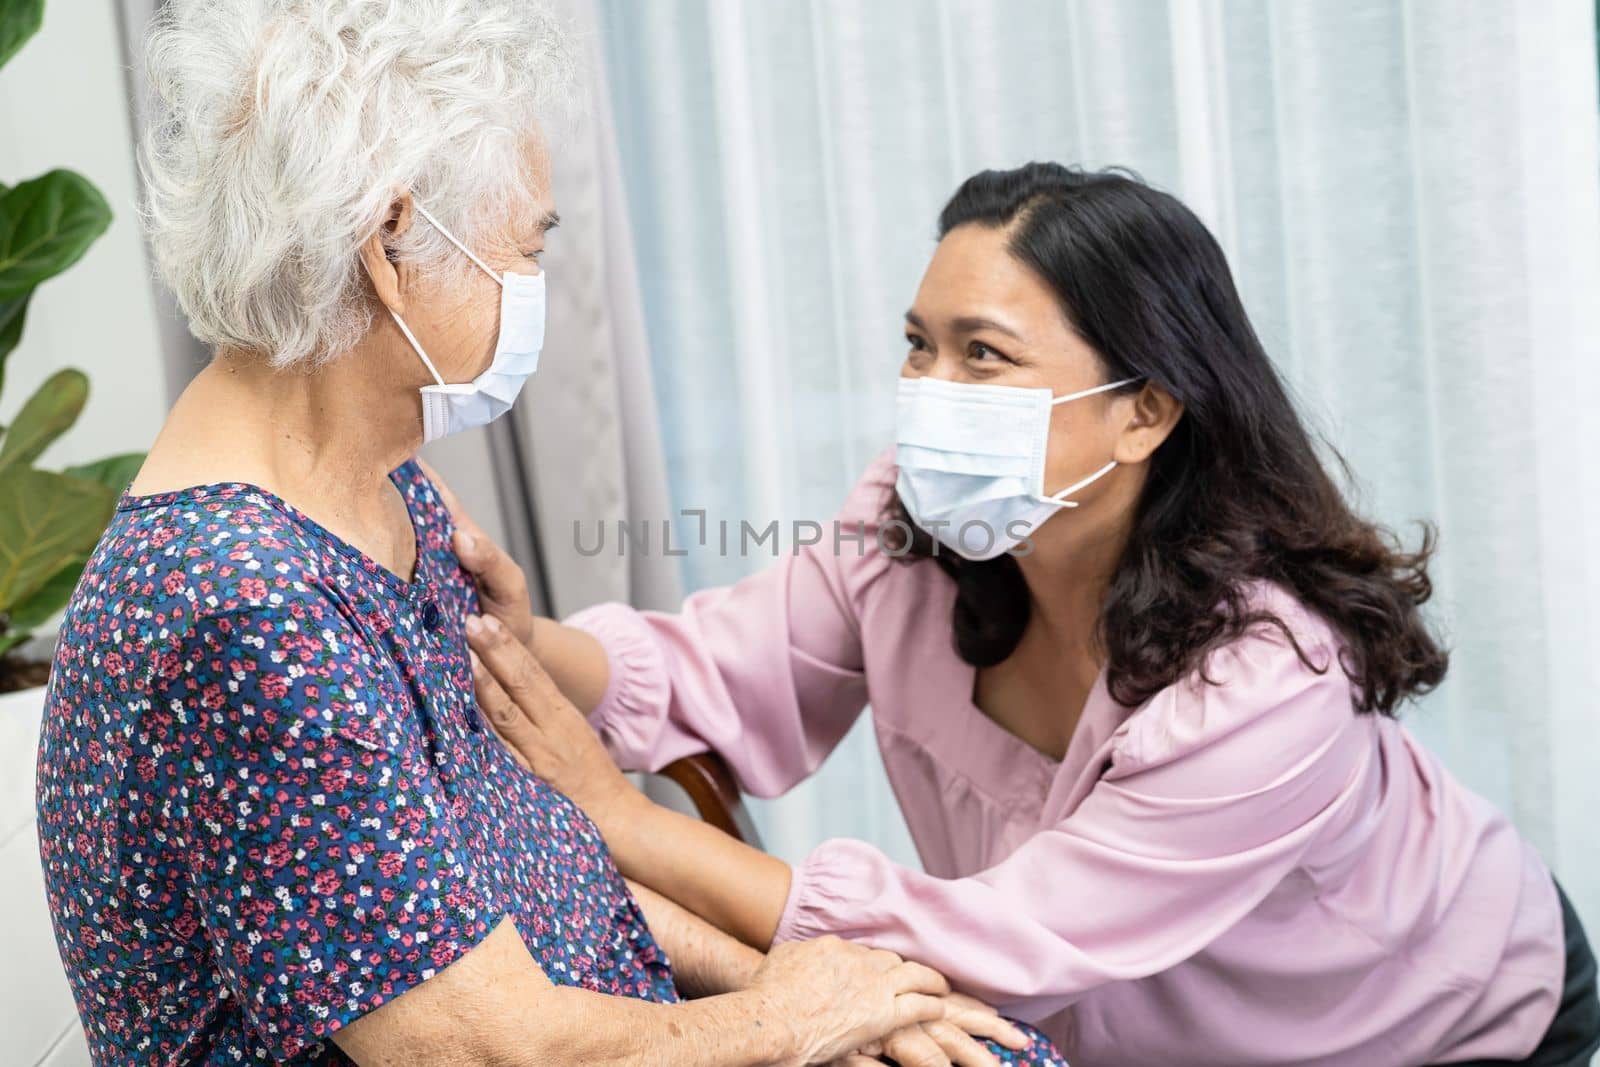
(1153, 415)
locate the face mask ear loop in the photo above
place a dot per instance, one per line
(452, 239)
(398, 321)
(1091, 392)
(415, 344)
(1060, 498)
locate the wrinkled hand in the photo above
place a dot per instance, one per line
(540, 726)
(502, 587)
(835, 995)
(948, 1042)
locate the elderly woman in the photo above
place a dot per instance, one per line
(273, 826)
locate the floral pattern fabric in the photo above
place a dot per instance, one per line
(267, 804)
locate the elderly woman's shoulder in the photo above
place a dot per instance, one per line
(196, 593)
(205, 551)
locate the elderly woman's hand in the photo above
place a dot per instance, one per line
(543, 729)
(835, 994)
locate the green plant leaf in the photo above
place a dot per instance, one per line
(19, 20)
(48, 413)
(12, 312)
(113, 472)
(47, 520)
(11, 639)
(52, 596)
(46, 225)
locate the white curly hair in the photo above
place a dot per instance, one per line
(281, 130)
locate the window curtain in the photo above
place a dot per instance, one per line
(1407, 193)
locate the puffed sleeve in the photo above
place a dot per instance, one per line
(1213, 796)
(325, 863)
(767, 672)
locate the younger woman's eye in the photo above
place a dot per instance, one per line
(917, 343)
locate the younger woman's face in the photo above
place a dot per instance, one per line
(982, 316)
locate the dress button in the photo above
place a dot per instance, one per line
(432, 617)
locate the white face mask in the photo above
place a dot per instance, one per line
(448, 409)
(972, 458)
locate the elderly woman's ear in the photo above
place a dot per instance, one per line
(391, 277)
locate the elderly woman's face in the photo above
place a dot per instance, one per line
(456, 314)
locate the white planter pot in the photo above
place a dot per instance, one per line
(38, 1023)
(19, 745)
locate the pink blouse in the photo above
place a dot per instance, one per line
(1241, 873)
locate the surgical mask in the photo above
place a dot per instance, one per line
(972, 460)
(448, 409)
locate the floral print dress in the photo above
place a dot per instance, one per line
(267, 803)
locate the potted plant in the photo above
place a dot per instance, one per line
(49, 520)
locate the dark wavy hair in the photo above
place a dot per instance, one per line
(1236, 493)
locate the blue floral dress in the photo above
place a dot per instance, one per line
(267, 803)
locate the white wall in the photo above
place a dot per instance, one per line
(63, 103)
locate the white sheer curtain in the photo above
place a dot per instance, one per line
(1407, 192)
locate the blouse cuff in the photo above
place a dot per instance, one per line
(825, 893)
(638, 690)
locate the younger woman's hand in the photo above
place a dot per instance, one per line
(541, 727)
(951, 1041)
(502, 587)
